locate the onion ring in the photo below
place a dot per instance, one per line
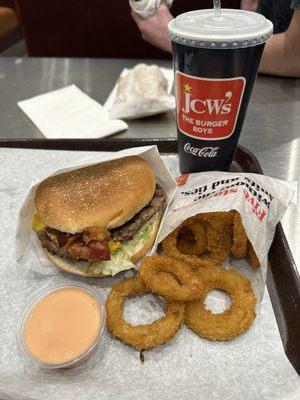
(191, 238)
(171, 278)
(233, 321)
(218, 240)
(240, 240)
(252, 256)
(141, 336)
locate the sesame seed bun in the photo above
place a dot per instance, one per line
(106, 195)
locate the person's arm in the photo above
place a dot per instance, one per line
(250, 5)
(282, 52)
(155, 29)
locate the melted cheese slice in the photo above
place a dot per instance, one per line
(37, 224)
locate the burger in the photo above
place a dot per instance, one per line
(100, 219)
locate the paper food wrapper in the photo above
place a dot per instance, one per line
(28, 248)
(259, 199)
(147, 8)
(141, 92)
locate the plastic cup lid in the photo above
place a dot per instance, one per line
(234, 29)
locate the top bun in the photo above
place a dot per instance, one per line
(106, 195)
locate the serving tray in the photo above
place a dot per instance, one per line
(283, 279)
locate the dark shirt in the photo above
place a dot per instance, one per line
(295, 4)
(280, 12)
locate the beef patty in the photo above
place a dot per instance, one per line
(130, 228)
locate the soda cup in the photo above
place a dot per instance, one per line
(215, 61)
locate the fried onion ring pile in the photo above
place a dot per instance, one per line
(189, 269)
(157, 276)
(239, 246)
(141, 336)
(233, 321)
(218, 227)
(207, 239)
(171, 278)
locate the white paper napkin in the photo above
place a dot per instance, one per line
(70, 113)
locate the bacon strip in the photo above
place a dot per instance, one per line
(95, 250)
(95, 233)
(91, 245)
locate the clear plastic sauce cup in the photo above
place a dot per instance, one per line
(61, 325)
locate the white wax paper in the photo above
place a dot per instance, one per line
(253, 366)
(28, 248)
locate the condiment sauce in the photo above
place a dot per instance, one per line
(62, 325)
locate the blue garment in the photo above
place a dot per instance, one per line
(280, 12)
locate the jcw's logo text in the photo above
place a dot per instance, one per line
(204, 152)
(208, 108)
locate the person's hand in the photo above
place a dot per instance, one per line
(155, 29)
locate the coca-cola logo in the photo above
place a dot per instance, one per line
(204, 152)
(208, 108)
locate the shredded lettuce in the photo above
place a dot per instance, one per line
(120, 259)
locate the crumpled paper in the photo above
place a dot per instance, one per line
(28, 248)
(141, 92)
(251, 367)
(147, 8)
(261, 201)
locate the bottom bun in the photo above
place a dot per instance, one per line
(87, 268)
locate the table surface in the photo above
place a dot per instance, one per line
(271, 130)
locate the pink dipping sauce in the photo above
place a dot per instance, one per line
(62, 325)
